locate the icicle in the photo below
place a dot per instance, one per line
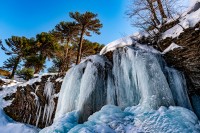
(50, 105)
(38, 117)
(178, 87)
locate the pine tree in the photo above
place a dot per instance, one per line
(87, 22)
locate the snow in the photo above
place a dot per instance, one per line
(36, 79)
(193, 2)
(59, 80)
(129, 40)
(186, 21)
(171, 47)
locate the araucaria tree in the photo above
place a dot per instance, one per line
(18, 48)
(45, 46)
(87, 22)
(65, 32)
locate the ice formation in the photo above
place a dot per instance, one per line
(49, 93)
(137, 80)
(111, 119)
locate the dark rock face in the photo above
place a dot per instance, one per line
(187, 58)
(24, 107)
(1, 82)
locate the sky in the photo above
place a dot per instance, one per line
(30, 17)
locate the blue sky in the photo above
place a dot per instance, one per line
(30, 17)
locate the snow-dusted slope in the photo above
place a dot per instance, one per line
(7, 125)
(187, 20)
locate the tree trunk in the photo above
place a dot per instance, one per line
(80, 48)
(37, 70)
(153, 12)
(15, 68)
(162, 12)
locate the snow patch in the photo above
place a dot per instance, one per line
(126, 41)
(189, 20)
(171, 47)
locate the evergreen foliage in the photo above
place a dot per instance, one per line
(25, 73)
(18, 48)
(87, 23)
(65, 45)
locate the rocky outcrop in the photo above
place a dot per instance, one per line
(33, 103)
(186, 58)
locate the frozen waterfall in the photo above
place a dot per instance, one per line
(135, 77)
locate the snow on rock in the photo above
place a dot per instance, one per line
(186, 21)
(7, 125)
(171, 47)
(36, 79)
(59, 80)
(129, 40)
(147, 48)
(9, 88)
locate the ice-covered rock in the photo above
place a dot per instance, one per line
(136, 77)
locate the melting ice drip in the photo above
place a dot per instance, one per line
(49, 106)
(135, 77)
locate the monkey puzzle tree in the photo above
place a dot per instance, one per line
(65, 32)
(87, 23)
(18, 48)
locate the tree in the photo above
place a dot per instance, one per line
(65, 32)
(25, 73)
(19, 47)
(46, 45)
(62, 64)
(36, 62)
(90, 48)
(87, 22)
(162, 12)
(149, 14)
